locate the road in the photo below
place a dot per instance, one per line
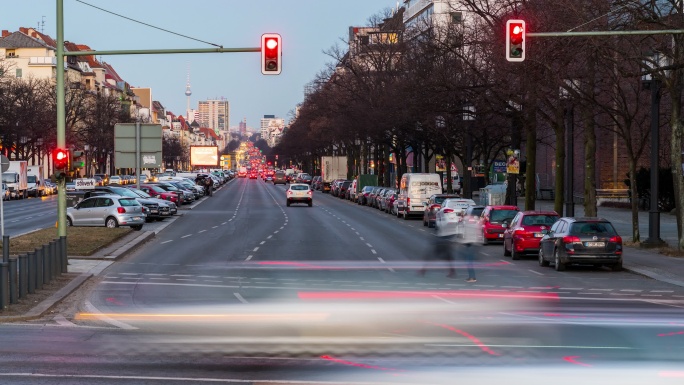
(244, 289)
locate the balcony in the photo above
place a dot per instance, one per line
(43, 61)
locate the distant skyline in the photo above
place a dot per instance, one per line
(308, 28)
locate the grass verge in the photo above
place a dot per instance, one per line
(81, 241)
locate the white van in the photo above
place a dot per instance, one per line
(455, 182)
(414, 190)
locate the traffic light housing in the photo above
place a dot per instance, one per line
(271, 54)
(60, 161)
(515, 40)
(77, 160)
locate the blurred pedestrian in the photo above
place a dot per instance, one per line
(209, 185)
(442, 251)
(471, 239)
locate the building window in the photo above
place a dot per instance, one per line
(18, 72)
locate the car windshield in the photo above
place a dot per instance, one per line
(124, 192)
(592, 228)
(141, 193)
(128, 202)
(476, 211)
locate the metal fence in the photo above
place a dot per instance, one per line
(24, 274)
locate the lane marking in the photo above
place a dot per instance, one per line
(262, 242)
(167, 241)
(269, 237)
(373, 251)
(201, 231)
(256, 248)
(185, 236)
(535, 272)
(240, 298)
(248, 258)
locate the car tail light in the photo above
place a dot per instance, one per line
(447, 211)
(120, 210)
(289, 192)
(522, 233)
(408, 202)
(309, 192)
(571, 239)
(616, 239)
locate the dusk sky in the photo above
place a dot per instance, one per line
(308, 28)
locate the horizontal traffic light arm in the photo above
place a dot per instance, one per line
(162, 51)
(605, 33)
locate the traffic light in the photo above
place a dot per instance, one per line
(271, 54)
(515, 40)
(60, 160)
(77, 160)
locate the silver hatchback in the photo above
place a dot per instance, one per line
(107, 210)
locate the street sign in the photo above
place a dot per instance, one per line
(4, 163)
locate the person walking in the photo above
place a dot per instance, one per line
(209, 186)
(471, 240)
(442, 251)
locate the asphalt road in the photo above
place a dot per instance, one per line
(244, 289)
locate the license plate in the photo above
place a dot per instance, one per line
(538, 235)
(500, 235)
(136, 218)
(594, 244)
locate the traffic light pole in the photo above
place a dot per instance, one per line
(61, 113)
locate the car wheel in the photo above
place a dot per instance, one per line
(617, 266)
(111, 223)
(137, 227)
(514, 256)
(310, 203)
(69, 223)
(485, 241)
(559, 266)
(542, 262)
(288, 203)
(506, 252)
(405, 216)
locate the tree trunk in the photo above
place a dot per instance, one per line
(531, 163)
(560, 169)
(676, 155)
(590, 209)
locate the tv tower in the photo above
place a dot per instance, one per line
(188, 92)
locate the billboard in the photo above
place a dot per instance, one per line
(204, 156)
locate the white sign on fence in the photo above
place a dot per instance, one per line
(85, 184)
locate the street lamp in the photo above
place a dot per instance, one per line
(468, 117)
(86, 149)
(564, 94)
(653, 62)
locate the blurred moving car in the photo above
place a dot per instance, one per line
(586, 241)
(116, 179)
(451, 213)
(299, 193)
(107, 210)
(493, 219)
(523, 234)
(433, 204)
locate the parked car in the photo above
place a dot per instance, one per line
(185, 195)
(335, 187)
(173, 208)
(107, 210)
(523, 234)
(316, 182)
(304, 178)
(158, 192)
(116, 179)
(493, 219)
(299, 193)
(155, 212)
(592, 241)
(364, 195)
(471, 217)
(433, 204)
(391, 205)
(342, 190)
(385, 200)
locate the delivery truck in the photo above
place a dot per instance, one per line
(332, 167)
(36, 181)
(16, 179)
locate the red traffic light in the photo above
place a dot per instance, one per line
(515, 40)
(271, 54)
(60, 159)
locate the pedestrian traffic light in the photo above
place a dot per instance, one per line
(515, 40)
(271, 54)
(77, 160)
(60, 160)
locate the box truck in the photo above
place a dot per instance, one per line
(332, 167)
(16, 179)
(36, 181)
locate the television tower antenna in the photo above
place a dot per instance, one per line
(188, 92)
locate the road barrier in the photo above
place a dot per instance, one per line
(24, 274)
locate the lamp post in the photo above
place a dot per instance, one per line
(653, 84)
(564, 94)
(86, 149)
(468, 117)
(39, 150)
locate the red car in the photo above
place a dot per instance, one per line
(523, 234)
(493, 219)
(158, 192)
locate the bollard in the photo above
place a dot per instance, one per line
(65, 257)
(40, 259)
(13, 284)
(47, 253)
(32, 273)
(54, 264)
(5, 248)
(4, 286)
(23, 275)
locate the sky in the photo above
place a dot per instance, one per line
(308, 28)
